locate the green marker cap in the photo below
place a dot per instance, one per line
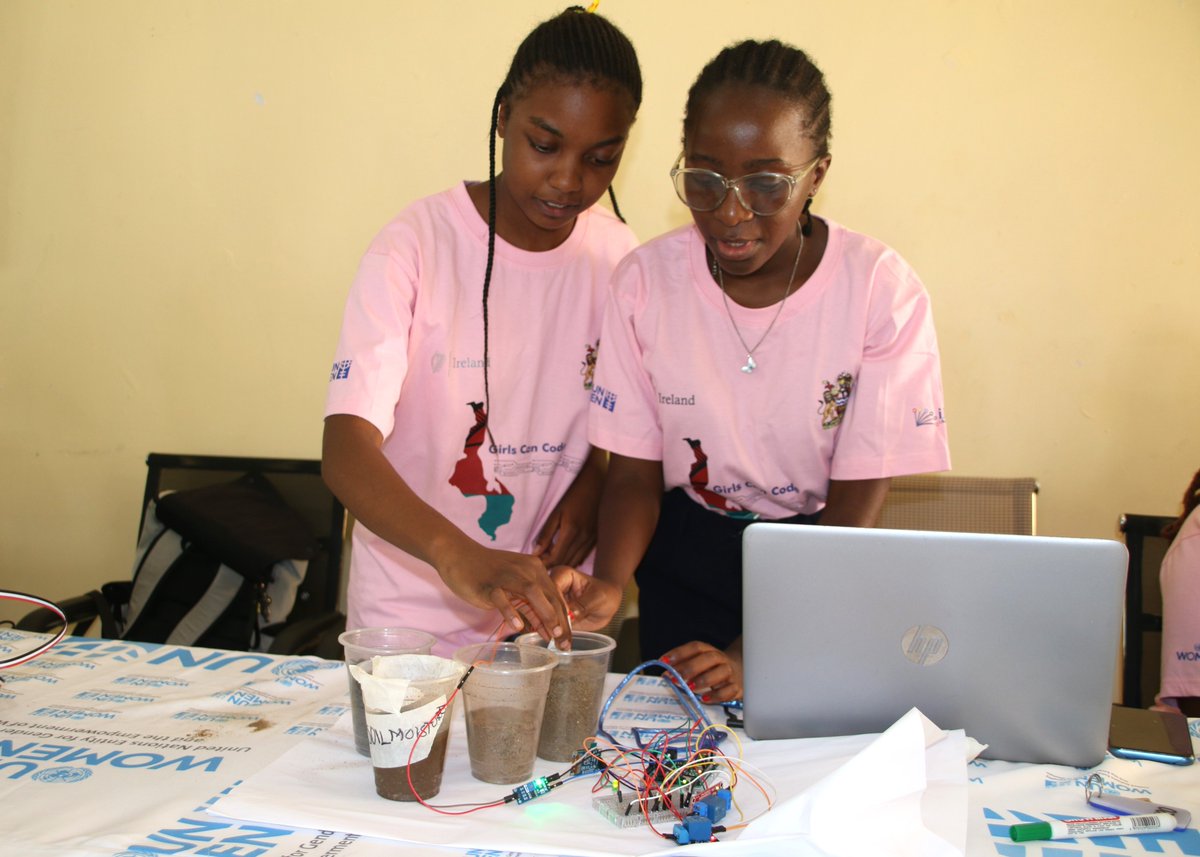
(1028, 832)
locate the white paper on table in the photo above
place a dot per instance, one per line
(903, 795)
(897, 779)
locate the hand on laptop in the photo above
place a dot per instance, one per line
(714, 675)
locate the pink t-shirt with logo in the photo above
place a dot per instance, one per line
(1179, 577)
(410, 361)
(847, 385)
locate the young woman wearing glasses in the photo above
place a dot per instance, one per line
(762, 363)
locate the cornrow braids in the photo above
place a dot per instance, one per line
(776, 66)
(576, 46)
(1191, 499)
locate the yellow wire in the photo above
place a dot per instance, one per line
(594, 6)
(735, 768)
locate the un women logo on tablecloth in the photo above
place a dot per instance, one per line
(244, 696)
(292, 673)
(62, 774)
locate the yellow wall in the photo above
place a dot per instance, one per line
(186, 187)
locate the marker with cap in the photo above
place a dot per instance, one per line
(1083, 828)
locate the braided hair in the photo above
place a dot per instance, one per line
(578, 47)
(1191, 499)
(776, 66)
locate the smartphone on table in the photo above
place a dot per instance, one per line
(1156, 736)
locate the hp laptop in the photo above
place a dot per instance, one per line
(1011, 638)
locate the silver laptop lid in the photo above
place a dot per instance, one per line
(1012, 638)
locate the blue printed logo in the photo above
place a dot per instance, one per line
(247, 697)
(604, 398)
(149, 681)
(109, 696)
(341, 370)
(63, 712)
(246, 662)
(62, 775)
(119, 651)
(1112, 782)
(292, 673)
(304, 729)
(1186, 655)
(44, 679)
(47, 664)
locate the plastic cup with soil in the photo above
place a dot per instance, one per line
(576, 693)
(362, 644)
(408, 701)
(505, 696)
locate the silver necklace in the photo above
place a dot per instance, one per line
(751, 364)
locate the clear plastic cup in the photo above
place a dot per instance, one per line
(576, 693)
(362, 644)
(408, 701)
(505, 696)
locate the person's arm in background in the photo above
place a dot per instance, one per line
(358, 473)
(1179, 578)
(569, 533)
(854, 503)
(629, 509)
(717, 674)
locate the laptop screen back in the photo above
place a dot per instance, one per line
(1012, 638)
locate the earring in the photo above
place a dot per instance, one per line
(807, 227)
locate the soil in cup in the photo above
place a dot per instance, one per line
(572, 706)
(502, 742)
(392, 783)
(358, 715)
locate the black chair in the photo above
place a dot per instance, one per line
(1141, 665)
(314, 620)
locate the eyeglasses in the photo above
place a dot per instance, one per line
(762, 193)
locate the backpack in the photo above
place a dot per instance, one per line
(216, 566)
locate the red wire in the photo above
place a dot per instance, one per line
(494, 638)
(43, 647)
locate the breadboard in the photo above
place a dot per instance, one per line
(626, 812)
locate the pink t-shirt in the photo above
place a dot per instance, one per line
(848, 384)
(1179, 577)
(410, 361)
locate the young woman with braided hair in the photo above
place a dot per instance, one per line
(761, 363)
(1179, 578)
(455, 423)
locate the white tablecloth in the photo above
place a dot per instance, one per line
(119, 749)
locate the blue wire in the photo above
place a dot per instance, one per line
(687, 700)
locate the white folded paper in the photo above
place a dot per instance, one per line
(903, 795)
(387, 685)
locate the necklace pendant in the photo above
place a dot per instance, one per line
(750, 364)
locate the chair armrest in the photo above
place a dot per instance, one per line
(81, 611)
